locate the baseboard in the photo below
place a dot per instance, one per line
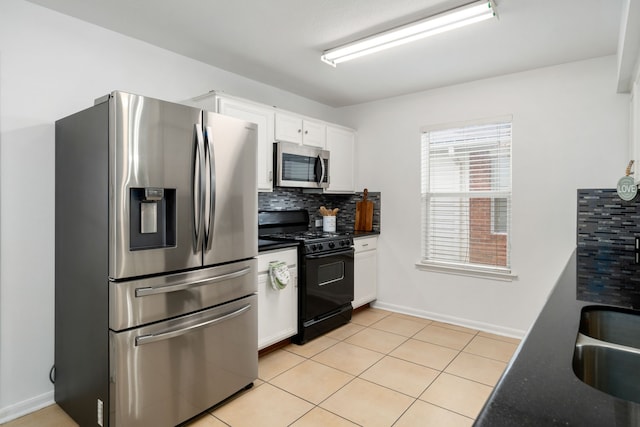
(25, 407)
(467, 323)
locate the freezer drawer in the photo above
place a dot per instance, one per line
(166, 373)
(137, 302)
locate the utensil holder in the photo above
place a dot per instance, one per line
(329, 224)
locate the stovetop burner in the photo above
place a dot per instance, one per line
(316, 241)
(294, 226)
(307, 235)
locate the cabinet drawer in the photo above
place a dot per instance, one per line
(365, 243)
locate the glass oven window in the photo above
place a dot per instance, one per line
(329, 273)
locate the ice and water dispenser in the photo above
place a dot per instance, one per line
(152, 222)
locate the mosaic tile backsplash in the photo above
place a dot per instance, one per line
(296, 198)
(607, 271)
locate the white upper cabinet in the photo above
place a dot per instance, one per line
(341, 146)
(292, 128)
(263, 117)
(278, 125)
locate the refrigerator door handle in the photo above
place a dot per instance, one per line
(172, 333)
(154, 290)
(211, 159)
(198, 188)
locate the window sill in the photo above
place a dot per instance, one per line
(505, 276)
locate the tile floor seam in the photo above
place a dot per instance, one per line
(331, 395)
(318, 404)
(486, 357)
(404, 412)
(447, 409)
(391, 389)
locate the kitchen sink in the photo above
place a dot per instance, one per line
(607, 352)
(613, 325)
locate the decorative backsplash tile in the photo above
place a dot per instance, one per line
(607, 226)
(296, 198)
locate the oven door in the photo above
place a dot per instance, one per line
(328, 284)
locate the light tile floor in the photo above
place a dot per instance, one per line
(382, 369)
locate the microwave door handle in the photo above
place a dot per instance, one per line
(212, 185)
(319, 159)
(198, 187)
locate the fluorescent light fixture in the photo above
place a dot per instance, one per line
(436, 24)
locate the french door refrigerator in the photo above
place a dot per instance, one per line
(155, 269)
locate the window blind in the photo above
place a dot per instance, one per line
(466, 196)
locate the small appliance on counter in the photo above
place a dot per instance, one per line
(328, 219)
(325, 286)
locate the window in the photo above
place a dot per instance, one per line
(466, 197)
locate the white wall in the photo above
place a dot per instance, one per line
(569, 132)
(50, 66)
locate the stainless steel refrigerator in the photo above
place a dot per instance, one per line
(156, 238)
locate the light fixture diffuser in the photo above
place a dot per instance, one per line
(436, 24)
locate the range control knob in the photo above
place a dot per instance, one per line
(342, 243)
(332, 245)
(320, 247)
(313, 248)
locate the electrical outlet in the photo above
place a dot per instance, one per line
(318, 223)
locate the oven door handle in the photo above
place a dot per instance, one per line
(330, 254)
(151, 290)
(172, 333)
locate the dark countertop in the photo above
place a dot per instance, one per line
(270, 245)
(357, 234)
(539, 387)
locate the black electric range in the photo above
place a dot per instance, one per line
(325, 262)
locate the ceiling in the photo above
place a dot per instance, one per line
(279, 42)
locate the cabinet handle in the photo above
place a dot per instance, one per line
(299, 130)
(270, 176)
(306, 132)
(365, 244)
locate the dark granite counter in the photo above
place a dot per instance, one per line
(357, 234)
(539, 387)
(270, 245)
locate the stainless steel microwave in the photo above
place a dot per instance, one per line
(301, 166)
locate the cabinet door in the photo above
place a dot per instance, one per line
(263, 117)
(288, 128)
(341, 145)
(365, 271)
(277, 309)
(313, 133)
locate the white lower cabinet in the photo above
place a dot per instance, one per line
(277, 309)
(365, 270)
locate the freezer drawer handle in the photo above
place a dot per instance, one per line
(141, 292)
(148, 339)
